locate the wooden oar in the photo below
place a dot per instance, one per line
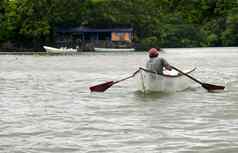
(209, 87)
(104, 86)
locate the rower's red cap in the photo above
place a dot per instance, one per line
(153, 52)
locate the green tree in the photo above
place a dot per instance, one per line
(230, 35)
(34, 22)
(158, 23)
(10, 20)
(2, 12)
(67, 13)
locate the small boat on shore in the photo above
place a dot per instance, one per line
(114, 49)
(170, 81)
(59, 50)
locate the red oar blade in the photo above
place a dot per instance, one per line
(101, 87)
(212, 87)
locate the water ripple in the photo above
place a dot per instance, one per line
(46, 105)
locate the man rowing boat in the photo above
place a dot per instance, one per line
(156, 63)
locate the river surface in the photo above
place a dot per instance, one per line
(46, 106)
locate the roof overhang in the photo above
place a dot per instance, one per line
(85, 29)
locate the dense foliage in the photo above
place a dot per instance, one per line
(158, 23)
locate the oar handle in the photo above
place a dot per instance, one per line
(146, 70)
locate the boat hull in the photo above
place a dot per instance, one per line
(170, 82)
(114, 49)
(58, 50)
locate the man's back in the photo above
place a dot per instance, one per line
(156, 64)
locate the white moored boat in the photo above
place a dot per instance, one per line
(114, 49)
(59, 50)
(170, 81)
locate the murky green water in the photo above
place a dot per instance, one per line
(46, 106)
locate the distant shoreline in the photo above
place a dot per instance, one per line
(37, 53)
(23, 53)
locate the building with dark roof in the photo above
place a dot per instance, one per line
(88, 38)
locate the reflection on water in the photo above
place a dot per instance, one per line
(46, 105)
(152, 95)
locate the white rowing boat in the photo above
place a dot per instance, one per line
(114, 49)
(59, 50)
(170, 81)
